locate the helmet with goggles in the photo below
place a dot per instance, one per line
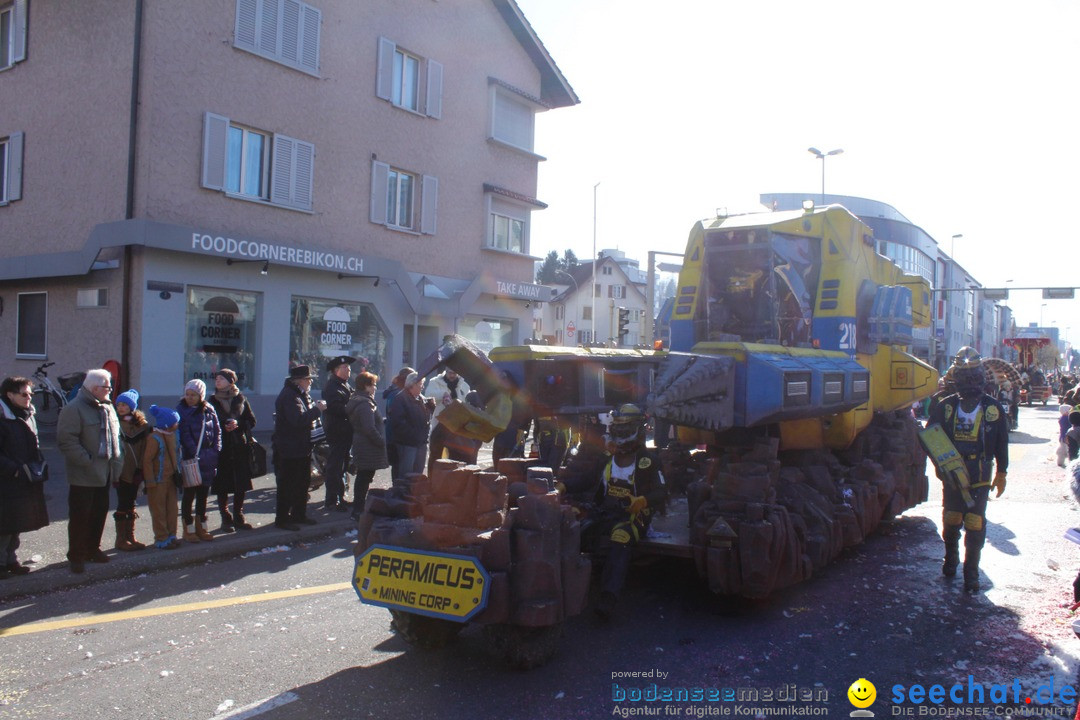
(627, 428)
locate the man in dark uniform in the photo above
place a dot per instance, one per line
(978, 427)
(336, 393)
(626, 488)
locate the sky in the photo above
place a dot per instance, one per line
(964, 116)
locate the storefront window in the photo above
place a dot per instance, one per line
(322, 329)
(220, 334)
(487, 333)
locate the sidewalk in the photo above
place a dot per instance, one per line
(44, 550)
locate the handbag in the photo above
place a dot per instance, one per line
(190, 468)
(256, 458)
(36, 470)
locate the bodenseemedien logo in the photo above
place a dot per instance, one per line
(862, 694)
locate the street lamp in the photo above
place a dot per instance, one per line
(821, 156)
(592, 291)
(952, 245)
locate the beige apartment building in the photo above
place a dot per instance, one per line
(255, 183)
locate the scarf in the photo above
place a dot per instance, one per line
(108, 441)
(452, 385)
(14, 412)
(226, 396)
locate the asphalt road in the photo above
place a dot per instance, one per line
(280, 635)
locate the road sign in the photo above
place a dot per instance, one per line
(570, 330)
(1066, 293)
(451, 587)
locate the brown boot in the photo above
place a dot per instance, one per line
(123, 528)
(135, 544)
(190, 534)
(202, 532)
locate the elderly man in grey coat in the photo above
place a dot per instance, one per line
(88, 437)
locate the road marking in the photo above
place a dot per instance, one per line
(169, 610)
(259, 707)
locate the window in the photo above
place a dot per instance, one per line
(606, 270)
(92, 298)
(596, 290)
(586, 312)
(508, 225)
(512, 119)
(399, 198)
(394, 201)
(617, 292)
(12, 33)
(285, 31)
(408, 80)
(245, 165)
(256, 165)
(560, 312)
(326, 328)
(11, 168)
(31, 318)
(220, 334)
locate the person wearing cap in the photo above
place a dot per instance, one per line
(295, 414)
(234, 465)
(88, 437)
(339, 432)
(977, 426)
(134, 430)
(161, 469)
(200, 437)
(410, 414)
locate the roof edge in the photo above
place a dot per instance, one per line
(554, 87)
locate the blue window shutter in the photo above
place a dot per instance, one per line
(380, 182)
(281, 170)
(18, 31)
(246, 13)
(385, 71)
(303, 171)
(310, 30)
(269, 40)
(215, 144)
(429, 209)
(434, 89)
(15, 166)
(290, 32)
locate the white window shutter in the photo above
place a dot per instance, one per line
(429, 209)
(310, 29)
(290, 32)
(215, 144)
(281, 171)
(246, 13)
(15, 165)
(384, 79)
(270, 28)
(380, 182)
(18, 31)
(303, 172)
(434, 89)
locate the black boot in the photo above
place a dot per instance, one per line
(971, 570)
(227, 524)
(951, 536)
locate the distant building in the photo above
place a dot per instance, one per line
(567, 319)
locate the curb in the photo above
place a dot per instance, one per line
(58, 576)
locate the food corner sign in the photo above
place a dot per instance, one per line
(435, 584)
(260, 250)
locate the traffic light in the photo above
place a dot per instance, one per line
(624, 323)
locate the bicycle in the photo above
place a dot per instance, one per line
(49, 399)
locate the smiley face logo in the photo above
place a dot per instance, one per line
(862, 693)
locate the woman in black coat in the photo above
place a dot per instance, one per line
(234, 464)
(22, 501)
(369, 439)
